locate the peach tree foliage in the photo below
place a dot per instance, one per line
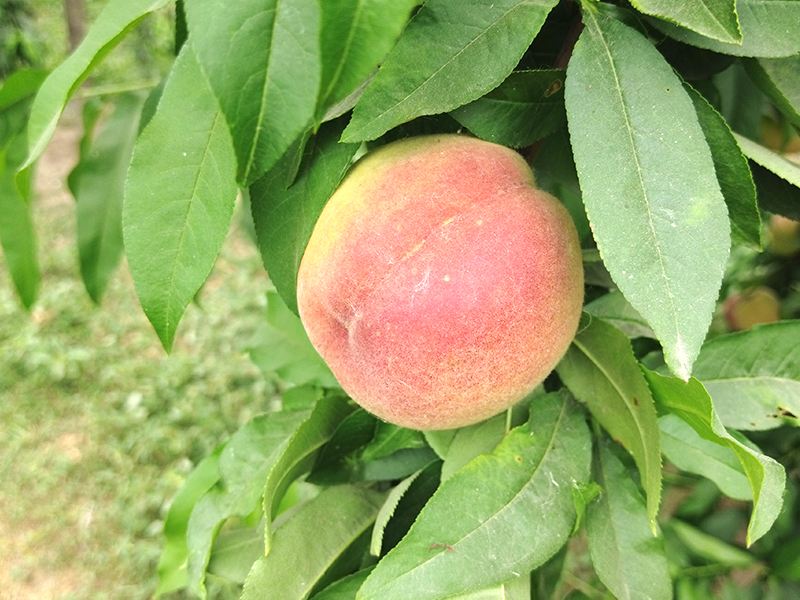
(641, 118)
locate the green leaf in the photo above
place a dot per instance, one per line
(691, 402)
(692, 589)
(17, 232)
(172, 574)
(397, 465)
(775, 194)
(90, 117)
(390, 438)
(787, 172)
(450, 53)
(288, 166)
(151, 103)
(300, 453)
(737, 98)
(181, 193)
(582, 495)
(546, 579)
(411, 503)
(234, 553)
(335, 460)
(310, 541)
(281, 346)
(508, 512)
(769, 29)
(614, 308)
(262, 59)
(344, 589)
(754, 376)
(298, 492)
(518, 588)
(779, 79)
(716, 19)
(648, 183)
(600, 369)
(708, 547)
(733, 173)
(526, 107)
(684, 448)
(387, 510)
(472, 441)
(181, 27)
(285, 218)
(356, 37)
(244, 465)
(116, 20)
(99, 188)
(627, 557)
(389, 452)
(556, 174)
(440, 440)
(785, 559)
(301, 397)
(20, 85)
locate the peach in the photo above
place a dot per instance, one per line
(439, 284)
(752, 307)
(783, 236)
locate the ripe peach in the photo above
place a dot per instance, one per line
(439, 284)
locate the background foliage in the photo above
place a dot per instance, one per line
(653, 463)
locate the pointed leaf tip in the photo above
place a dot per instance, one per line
(179, 198)
(668, 253)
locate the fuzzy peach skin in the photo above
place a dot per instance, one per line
(439, 284)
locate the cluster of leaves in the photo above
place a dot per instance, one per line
(18, 48)
(643, 119)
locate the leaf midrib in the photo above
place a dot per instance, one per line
(345, 53)
(696, 451)
(290, 466)
(649, 467)
(640, 428)
(620, 569)
(433, 75)
(185, 224)
(751, 379)
(655, 241)
(714, 18)
(264, 92)
(496, 515)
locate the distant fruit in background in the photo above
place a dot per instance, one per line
(779, 137)
(744, 309)
(439, 284)
(783, 236)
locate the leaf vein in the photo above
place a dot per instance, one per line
(634, 146)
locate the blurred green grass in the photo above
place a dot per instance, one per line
(98, 426)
